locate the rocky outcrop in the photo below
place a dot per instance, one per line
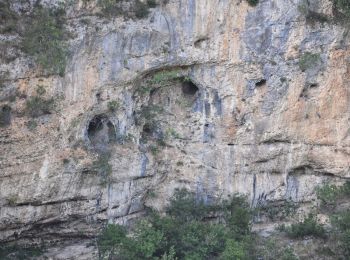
(215, 96)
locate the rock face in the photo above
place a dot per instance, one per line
(212, 95)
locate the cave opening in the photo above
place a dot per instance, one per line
(101, 132)
(260, 83)
(189, 88)
(5, 116)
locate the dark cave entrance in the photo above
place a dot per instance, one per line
(189, 88)
(101, 132)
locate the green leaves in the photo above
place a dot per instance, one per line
(309, 60)
(308, 227)
(185, 232)
(44, 40)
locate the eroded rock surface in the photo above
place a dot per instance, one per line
(210, 97)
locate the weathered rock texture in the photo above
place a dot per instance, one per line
(249, 120)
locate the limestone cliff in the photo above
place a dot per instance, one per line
(213, 95)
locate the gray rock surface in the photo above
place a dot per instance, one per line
(250, 122)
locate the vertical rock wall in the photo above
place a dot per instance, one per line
(241, 115)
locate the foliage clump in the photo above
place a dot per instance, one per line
(8, 18)
(113, 105)
(341, 224)
(186, 232)
(329, 194)
(331, 197)
(103, 167)
(309, 60)
(342, 9)
(307, 227)
(38, 105)
(44, 39)
(114, 8)
(19, 252)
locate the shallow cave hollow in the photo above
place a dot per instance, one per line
(101, 132)
(189, 88)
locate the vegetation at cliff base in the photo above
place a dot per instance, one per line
(186, 232)
(191, 229)
(307, 227)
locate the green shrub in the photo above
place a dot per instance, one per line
(37, 106)
(112, 237)
(151, 3)
(110, 8)
(8, 18)
(233, 250)
(44, 39)
(309, 60)
(288, 254)
(163, 77)
(141, 9)
(19, 252)
(341, 224)
(308, 227)
(277, 211)
(31, 125)
(102, 165)
(310, 15)
(253, 2)
(342, 7)
(329, 194)
(113, 105)
(184, 233)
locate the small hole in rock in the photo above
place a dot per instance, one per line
(260, 83)
(189, 88)
(5, 115)
(98, 97)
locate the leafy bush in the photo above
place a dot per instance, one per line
(141, 9)
(309, 60)
(111, 238)
(288, 254)
(113, 8)
(328, 194)
(308, 227)
(342, 7)
(113, 105)
(277, 211)
(341, 222)
(310, 15)
(44, 39)
(8, 18)
(110, 8)
(37, 106)
(102, 166)
(19, 252)
(184, 233)
(163, 77)
(31, 125)
(151, 3)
